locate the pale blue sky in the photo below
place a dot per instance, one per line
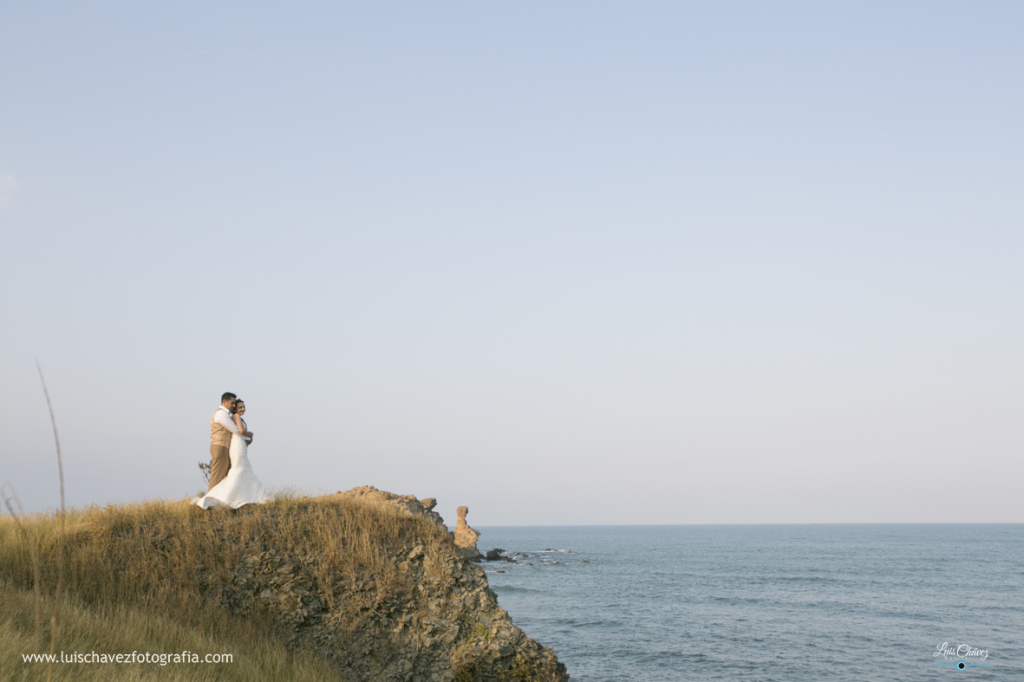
(582, 263)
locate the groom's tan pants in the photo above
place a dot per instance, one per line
(220, 464)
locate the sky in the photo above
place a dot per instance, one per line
(570, 263)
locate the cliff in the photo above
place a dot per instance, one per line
(369, 583)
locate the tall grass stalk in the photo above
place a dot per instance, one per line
(55, 614)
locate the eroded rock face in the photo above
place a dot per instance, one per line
(466, 537)
(449, 627)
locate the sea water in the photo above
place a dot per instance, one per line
(789, 603)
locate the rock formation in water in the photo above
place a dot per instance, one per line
(466, 537)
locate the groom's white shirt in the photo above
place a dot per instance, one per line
(223, 417)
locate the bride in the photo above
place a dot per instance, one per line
(240, 486)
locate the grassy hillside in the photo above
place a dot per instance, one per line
(300, 589)
(126, 628)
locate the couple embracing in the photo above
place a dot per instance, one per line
(232, 482)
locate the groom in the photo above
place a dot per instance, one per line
(222, 426)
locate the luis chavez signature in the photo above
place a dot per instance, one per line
(962, 651)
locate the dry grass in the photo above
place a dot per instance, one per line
(146, 577)
(122, 628)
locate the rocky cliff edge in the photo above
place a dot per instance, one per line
(421, 611)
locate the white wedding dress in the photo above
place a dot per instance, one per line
(240, 486)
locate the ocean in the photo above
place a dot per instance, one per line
(786, 603)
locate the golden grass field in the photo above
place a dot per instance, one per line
(130, 583)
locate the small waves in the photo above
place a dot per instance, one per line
(797, 604)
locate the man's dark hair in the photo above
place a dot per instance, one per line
(228, 396)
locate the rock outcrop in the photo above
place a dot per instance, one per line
(446, 627)
(365, 582)
(466, 537)
(407, 505)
